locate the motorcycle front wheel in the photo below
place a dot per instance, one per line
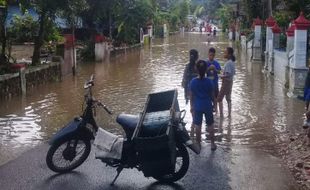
(67, 154)
(182, 164)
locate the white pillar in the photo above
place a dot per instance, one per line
(290, 33)
(273, 44)
(141, 35)
(100, 48)
(257, 54)
(23, 81)
(300, 49)
(99, 51)
(298, 66)
(290, 43)
(269, 23)
(150, 31)
(69, 55)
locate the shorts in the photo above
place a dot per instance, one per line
(307, 95)
(225, 91)
(197, 117)
(216, 91)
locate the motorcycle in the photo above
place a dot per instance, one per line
(71, 145)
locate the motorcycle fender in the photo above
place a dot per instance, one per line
(69, 130)
(184, 138)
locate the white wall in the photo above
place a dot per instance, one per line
(281, 66)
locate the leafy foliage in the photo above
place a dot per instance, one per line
(225, 15)
(23, 28)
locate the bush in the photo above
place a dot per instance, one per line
(23, 29)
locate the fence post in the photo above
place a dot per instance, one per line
(298, 67)
(23, 81)
(69, 55)
(257, 54)
(273, 44)
(269, 23)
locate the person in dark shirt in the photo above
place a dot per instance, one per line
(188, 75)
(189, 72)
(201, 97)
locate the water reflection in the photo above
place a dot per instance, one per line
(261, 117)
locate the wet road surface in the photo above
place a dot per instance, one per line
(236, 168)
(261, 119)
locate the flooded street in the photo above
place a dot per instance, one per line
(262, 114)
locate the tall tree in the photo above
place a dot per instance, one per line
(47, 10)
(4, 7)
(4, 10)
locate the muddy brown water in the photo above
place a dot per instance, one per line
(263, 115)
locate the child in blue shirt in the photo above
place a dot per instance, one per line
(213, 69)
(201, 97)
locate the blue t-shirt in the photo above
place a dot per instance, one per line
(213, 75)
(202, 90)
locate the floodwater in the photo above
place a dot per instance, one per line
(263, 116)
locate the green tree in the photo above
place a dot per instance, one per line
(4, 6)
(131, 19)
(199, 11)
(285, 11)
(3, 58)
(46, 10)
(23, 28)
(72, 10)
(225, 14)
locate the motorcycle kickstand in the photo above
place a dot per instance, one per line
(119, 170)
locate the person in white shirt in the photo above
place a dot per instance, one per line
(227, 80)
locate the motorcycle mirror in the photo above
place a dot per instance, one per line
(92, 77)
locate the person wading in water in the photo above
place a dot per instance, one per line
(201, 97)
(189, 74)
(227, 80)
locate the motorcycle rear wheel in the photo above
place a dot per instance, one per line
(67, 154)
(182, 155)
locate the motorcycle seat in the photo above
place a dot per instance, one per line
(128, 122)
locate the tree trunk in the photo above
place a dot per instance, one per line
(3, 59)
(74, 55)
(110, 24)
(269, 7)
(39, 40)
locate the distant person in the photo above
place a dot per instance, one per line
(227, 80)
(213, 69)
(201, 96)
(214, 31)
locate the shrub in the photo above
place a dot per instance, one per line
(23, 28)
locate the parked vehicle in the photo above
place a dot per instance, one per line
(154, 144)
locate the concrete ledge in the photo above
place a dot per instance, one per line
(17, 83)
(8, 76)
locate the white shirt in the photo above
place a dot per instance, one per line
(229, 68)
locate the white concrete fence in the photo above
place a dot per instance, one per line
(290, 67)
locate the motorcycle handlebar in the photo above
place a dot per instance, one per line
(90, 83)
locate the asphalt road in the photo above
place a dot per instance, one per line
(236, 167)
